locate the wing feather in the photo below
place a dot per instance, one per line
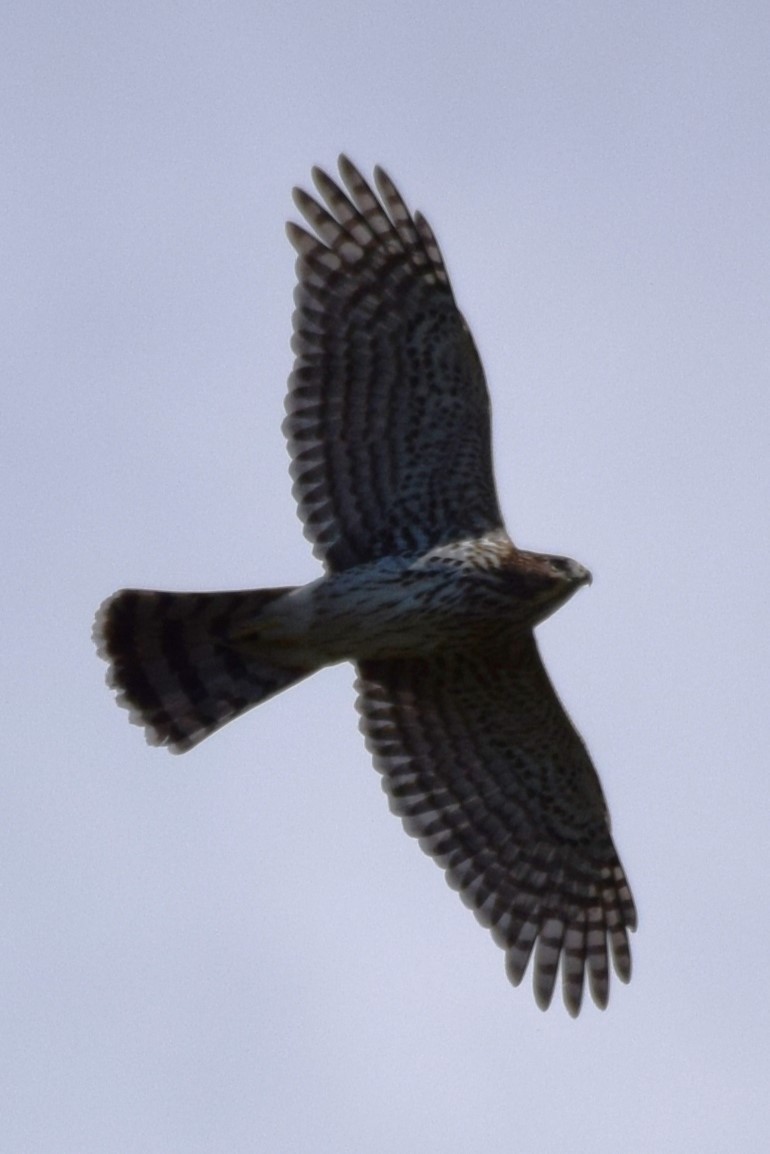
(387, 410)
(482, 764)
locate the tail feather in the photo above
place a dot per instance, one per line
(178, 664)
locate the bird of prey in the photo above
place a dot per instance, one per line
(389, 435)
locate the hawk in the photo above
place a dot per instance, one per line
(389, 435)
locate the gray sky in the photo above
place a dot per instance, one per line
(240, 949)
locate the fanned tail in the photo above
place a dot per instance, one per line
(184, 664)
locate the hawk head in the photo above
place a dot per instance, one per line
(548, 581)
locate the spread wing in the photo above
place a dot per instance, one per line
(481, 762)
(388, 411)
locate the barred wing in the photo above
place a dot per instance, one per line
(481, 762)
(387, 411)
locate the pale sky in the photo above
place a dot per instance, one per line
(240, 950)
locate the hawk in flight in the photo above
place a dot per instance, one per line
(389, 435)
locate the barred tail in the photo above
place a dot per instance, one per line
(180, 663)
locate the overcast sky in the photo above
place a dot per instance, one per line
(240, 950)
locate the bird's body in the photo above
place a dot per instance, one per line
(388, 428)
(447, 598)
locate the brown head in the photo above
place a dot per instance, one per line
(544, 581)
